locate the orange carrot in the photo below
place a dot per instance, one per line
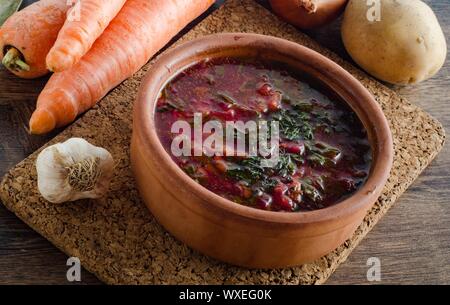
(141, 29)
(27, 36)
(86, 21)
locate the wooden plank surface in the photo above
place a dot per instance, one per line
(412, 240)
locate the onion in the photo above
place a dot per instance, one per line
(308, 14)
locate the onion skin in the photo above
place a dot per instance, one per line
(296, 13)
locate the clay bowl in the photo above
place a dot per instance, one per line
(235, 233)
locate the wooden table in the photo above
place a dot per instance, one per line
(412, 240)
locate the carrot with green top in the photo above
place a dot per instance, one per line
(27, 36)
(86, 21)
(140, 30)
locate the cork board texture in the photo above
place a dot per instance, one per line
(119, 241)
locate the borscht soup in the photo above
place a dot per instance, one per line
(323, 153)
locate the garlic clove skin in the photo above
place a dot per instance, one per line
(73, 170)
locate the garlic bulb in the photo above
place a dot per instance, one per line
(74, 170)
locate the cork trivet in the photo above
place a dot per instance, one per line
(117, 239)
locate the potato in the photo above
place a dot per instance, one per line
(405, 46)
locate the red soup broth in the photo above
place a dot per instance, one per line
(324, 155)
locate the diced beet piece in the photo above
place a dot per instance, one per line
(265, 90)
(274, 103)
(284, 203)
(264, 201)
(293, 147)
(280, 189)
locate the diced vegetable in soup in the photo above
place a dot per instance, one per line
(324, 152)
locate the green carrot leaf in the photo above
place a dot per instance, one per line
(7, 8)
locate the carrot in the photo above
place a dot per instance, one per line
(27, 36)
(141, 29)
(86, 22)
